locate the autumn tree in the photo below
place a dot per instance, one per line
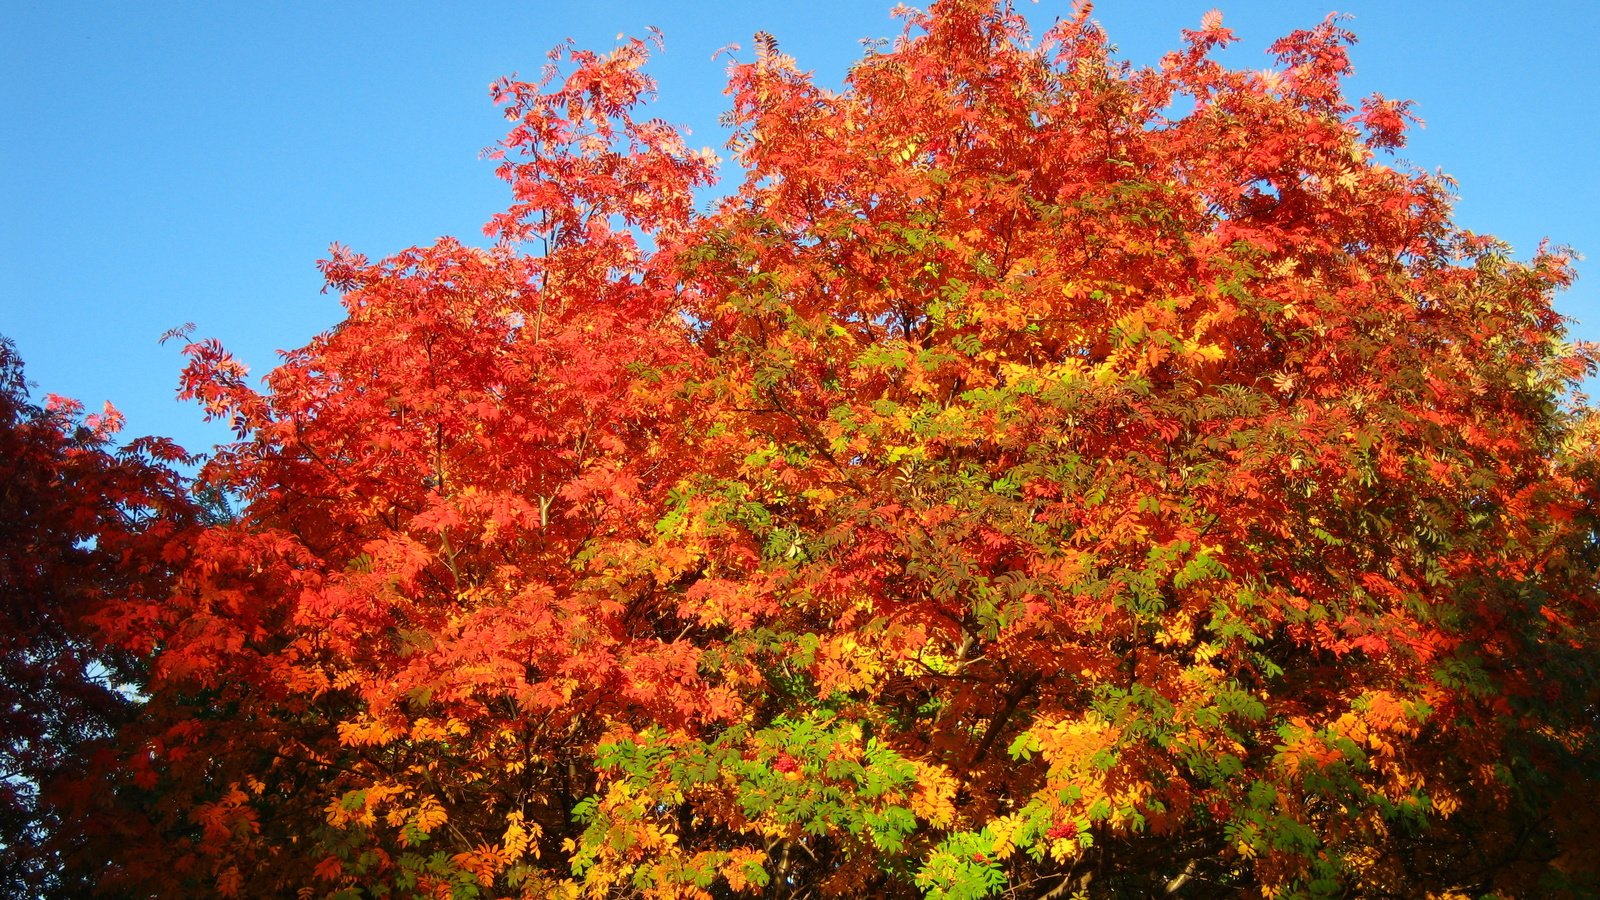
(82, 526)
(1038, 475)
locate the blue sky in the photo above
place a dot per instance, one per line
(172, 162)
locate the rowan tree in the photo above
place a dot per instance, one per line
(1038, 475)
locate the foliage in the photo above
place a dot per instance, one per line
(82, 524)
(1037, 476)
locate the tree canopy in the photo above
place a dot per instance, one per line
(84, 525)
(1036, 476)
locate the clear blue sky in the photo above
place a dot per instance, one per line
(168, 162)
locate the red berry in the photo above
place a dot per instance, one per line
(1062, 829)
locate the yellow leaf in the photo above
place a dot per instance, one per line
(933, 799)
(1005, 831)
(429, 815)
(519, 839)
